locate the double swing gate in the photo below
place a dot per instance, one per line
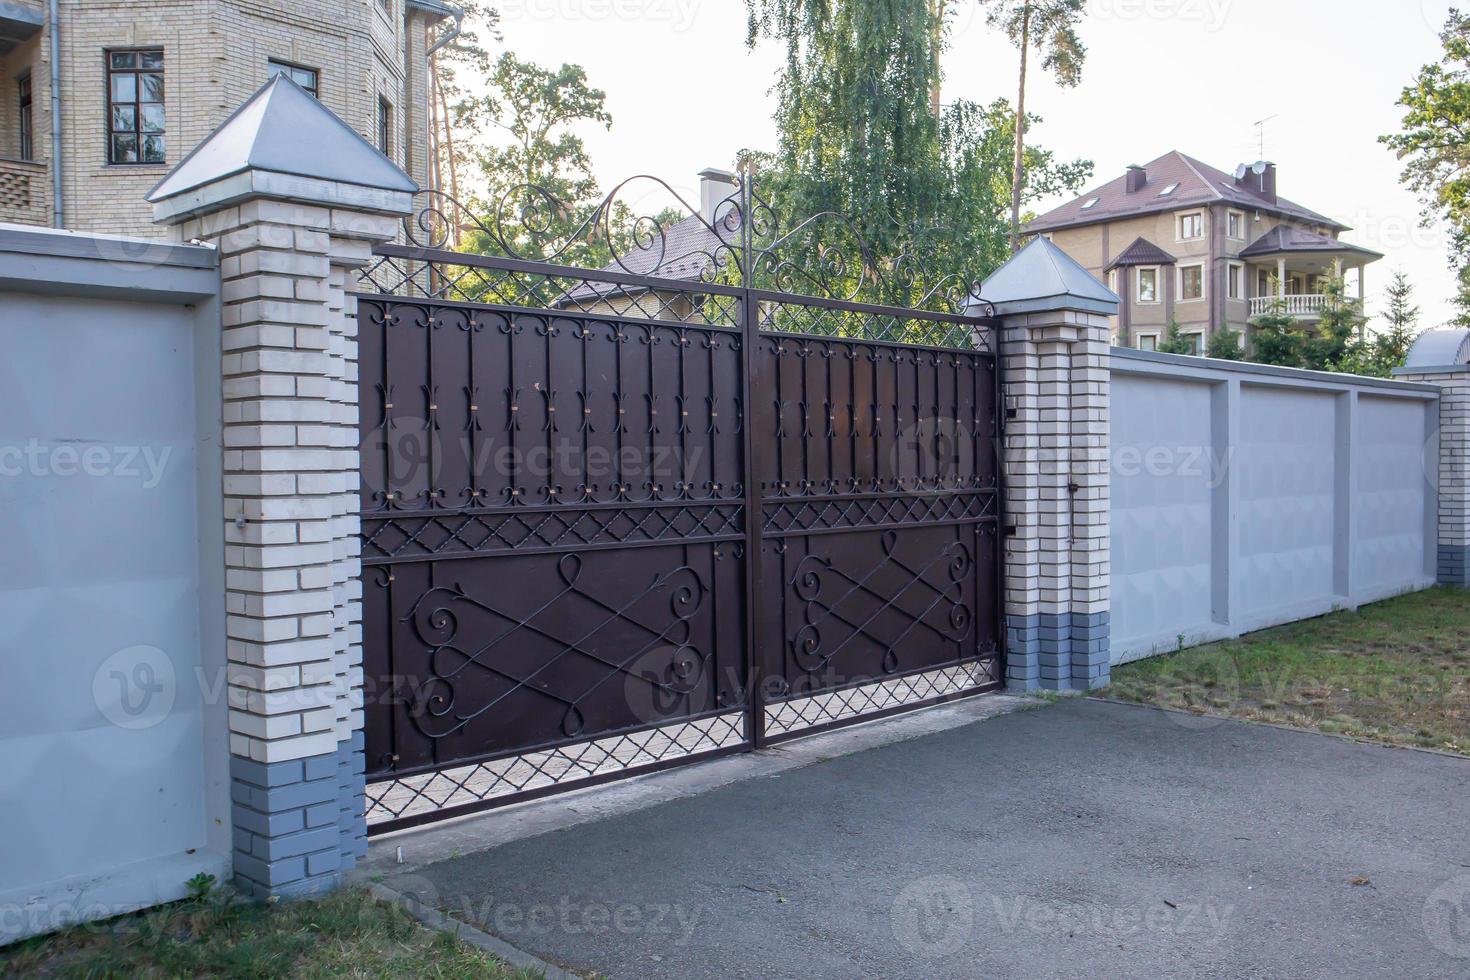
(622, 519)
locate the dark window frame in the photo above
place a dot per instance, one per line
(273, 66)
(385, 126)
(25, 100)
(136, 104)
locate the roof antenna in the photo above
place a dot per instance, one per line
(1260, 125)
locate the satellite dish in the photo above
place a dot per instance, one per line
(1240, 171)
(1259, 167)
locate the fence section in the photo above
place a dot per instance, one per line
(1246, 496)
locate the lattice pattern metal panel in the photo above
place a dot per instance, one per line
(431, 795)
(799, 715)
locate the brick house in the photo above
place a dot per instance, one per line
(1177, 239)
(144, 81)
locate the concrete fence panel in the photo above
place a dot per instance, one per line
(1247, 496)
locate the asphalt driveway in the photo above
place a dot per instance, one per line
(1082, 839)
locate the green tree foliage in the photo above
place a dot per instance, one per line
(1434, 143)
(457, 120)
(1175, 342)
(535, 183)
(859, 137)
(1401, 319)
(1225, 345)
(1333, 343)
(1049, 26)
(1337, 341)
(1277, 339)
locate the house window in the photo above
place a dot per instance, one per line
(1148, 341)
(135, 115)
(27, 135)
(385, 127)
(1148, 285)
(1196, 343)
(1191, 226)
(1235, 225)
(1192, 282)
(1235, 280)
(307, 78)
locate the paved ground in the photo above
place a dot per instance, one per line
(1084, 839)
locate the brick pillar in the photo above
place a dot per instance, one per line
(289, 248)
(1453, 471)
(1054, 344)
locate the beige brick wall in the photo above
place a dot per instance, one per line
(215, 56)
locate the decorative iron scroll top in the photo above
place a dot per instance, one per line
(738, 241)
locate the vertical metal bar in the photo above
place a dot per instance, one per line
(997, 440)
(750, 384)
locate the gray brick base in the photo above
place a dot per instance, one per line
(1057, 652)
(298, 825)
(1454, 564)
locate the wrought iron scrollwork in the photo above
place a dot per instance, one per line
(741, 242)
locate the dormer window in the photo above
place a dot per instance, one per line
(1091, 203)
(1168, 190)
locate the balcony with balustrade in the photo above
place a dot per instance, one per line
(1288, 265)
(25, 192)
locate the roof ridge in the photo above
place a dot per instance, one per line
(1194, 166)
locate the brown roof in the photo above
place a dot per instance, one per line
(1284, 239)
(1141, 252)
(1198, 183)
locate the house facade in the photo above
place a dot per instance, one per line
(142, 82)
(1179, 240)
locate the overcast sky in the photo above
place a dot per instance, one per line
(1193, 75)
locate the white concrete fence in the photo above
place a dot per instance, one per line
(178, 473)
(1247, 496)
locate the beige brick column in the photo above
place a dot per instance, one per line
(1452, 464)
(290, 246)
(1054, 346)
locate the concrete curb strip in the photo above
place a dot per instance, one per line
(494, 945)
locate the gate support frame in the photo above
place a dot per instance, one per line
(289, 245)
(1054, 347)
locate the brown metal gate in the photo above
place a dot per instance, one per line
(566, 473)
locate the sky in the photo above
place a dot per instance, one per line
(685, 93)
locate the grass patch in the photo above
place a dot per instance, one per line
(1396, 672)
(344, 934)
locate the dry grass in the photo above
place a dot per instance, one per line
(1396, 672)
(345, 934)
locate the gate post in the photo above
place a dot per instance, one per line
(1054, 344)
(1442, 357)
(292, 218)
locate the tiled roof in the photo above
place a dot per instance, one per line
(688, 248)
(1284, 239)
(1194, 183)
(1142, 252)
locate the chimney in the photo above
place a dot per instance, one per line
(1137, 177)
(1259, 178)
(715, 186)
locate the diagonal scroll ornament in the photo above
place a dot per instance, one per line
(436, 616)
(833, 596)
